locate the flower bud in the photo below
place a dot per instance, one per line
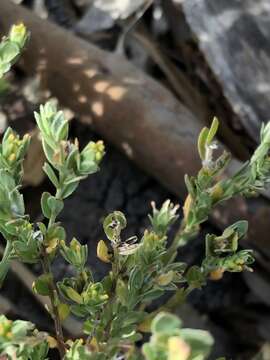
(103, 252)
(18, 34)
(178, 349)
(75, 253)
(165, 279)
(162, 219)
(216, 274)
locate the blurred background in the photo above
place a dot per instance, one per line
(145, 76)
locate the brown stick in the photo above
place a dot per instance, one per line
(126, 106)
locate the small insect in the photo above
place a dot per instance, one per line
(114, 224)
(38, 236)
(130, 246)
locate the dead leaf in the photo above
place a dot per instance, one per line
(33, 173)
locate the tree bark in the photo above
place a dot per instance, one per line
(233, 36)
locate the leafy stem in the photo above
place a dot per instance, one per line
(54, 299)
(114, 309)
(5, 261)
(53, 291)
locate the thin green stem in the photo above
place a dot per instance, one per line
(182, 236)
(54, 295)
(115, 271)
(54, 299)
(178, 298)
(52, 219)
(5, 261)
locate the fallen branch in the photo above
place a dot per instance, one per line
(126, 106)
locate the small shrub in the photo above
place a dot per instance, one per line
(114, 310)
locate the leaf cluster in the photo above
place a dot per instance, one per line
(114, 310)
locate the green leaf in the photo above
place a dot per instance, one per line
(151, 353)
(122, 292)
(132, 317)
(213, 130)
(17, 205)
(73, 295)
(58, 120)
(136, 279)
(56, 231)
(200, 342)
(189, 181)
(202, 142)
(79, 352)
(63, 310)
(9, 52)
(113, 225)
(165, 323)
(42, 228)
(51, 205)
(51, 174)
(49, 152)
(79, 310)
(153, 294)
(5, 262)
(62, 132)
(55, 205)
(41, 285)
(241, 227)
(75, 254)
(27, 252)
(45, 206)
(195, 277)
(20, 328)
(69, 189)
